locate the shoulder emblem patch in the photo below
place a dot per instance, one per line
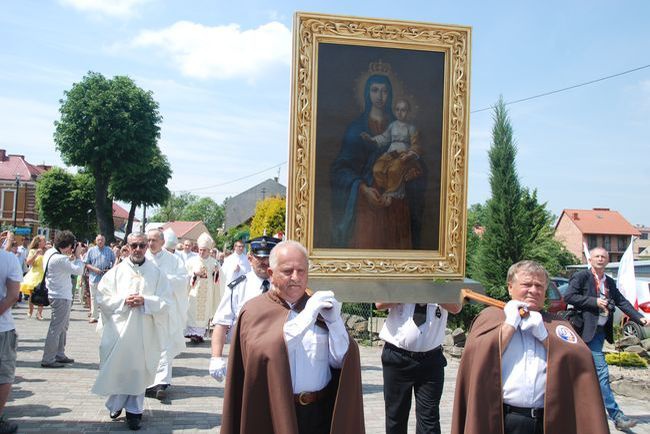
(237, 281)
(566, 334)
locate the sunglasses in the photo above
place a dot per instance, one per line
(138, 245)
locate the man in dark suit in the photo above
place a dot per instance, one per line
(594, 297)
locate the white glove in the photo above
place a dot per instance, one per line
(218, 367)
(535, 324)
(331, 314)
(511, 310)
(318, 302)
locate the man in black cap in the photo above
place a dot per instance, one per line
(238, 292)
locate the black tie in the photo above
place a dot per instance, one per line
(420, 314)
(265, 286)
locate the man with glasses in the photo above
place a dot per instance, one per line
(173, 268)
(238, 292)
(133, 298)
(204, 294)
(99, 260)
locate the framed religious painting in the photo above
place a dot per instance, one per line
(378, 147)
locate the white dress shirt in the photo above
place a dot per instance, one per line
(312, 350)
(401, 331)
(233, 299)
(523, 371)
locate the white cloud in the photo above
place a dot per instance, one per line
(221, 52)
(112, 8)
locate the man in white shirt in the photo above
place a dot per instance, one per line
(133, 298)
(10, 278)
(187, 253)
(236, 264)
(238, 292)
(526, 372)
(61, 262)
(292, 367)
(173, 268)
(412, 360)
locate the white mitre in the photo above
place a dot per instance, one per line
(205, 241)
(170, 239)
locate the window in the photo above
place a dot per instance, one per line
(592, 242)
(607, 242)
(644, 235)
(622, 243)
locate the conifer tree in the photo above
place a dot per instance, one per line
(502, 243)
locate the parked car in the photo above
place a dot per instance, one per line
(630, 328)
(556, 303)
(559, 281)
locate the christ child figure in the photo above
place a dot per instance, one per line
(399, 163)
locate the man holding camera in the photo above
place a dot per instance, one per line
(594, 297)
(60, 262)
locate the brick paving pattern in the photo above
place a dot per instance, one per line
(59, 400)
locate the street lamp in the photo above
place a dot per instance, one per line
(16, 199)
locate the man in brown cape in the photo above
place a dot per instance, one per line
(526, 374)
(292, 367)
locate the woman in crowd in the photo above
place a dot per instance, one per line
(35, 274)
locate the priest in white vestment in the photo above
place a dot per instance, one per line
(133, 298)
(236, 264)
(204, 294)
(174, 270)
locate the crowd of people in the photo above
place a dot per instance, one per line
(292, 367)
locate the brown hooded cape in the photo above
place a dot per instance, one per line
(258, 398)
(572, 404)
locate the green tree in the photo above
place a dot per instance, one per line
(143, 184)
(516, 225)
(207, 210)
(66, 201)
(475, 222)
(106, 127)
(270, 216)
(172, 209)
(502, 243)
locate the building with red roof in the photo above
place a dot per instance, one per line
(598, 227)
(18, 192)
(185, 230)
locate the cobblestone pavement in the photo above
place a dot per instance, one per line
(59, 400)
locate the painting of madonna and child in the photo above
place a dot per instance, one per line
(378, 148)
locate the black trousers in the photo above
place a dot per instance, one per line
(405, 373)
(514, 423)
(314, 418)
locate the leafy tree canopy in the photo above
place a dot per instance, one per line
(106, 126)
(270, 215)
(66, 201)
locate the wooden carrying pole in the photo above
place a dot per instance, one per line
(468, 294)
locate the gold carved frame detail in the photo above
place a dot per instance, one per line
(449, 261)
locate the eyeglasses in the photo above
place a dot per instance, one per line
(138, 245)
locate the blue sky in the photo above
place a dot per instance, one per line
(221, 73)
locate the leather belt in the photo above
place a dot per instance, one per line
(534, 413)
(412, 354)
(306, 398)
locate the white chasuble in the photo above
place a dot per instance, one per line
(204, 295)
(132, 337)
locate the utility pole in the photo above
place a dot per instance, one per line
(16, 200)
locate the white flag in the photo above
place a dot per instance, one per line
(587, 255)
(625, 280)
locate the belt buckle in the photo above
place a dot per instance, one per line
(300, 398)
(534, 413)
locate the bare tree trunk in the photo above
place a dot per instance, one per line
(129, 222)
(104, 208)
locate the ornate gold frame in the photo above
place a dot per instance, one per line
(449, 261)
